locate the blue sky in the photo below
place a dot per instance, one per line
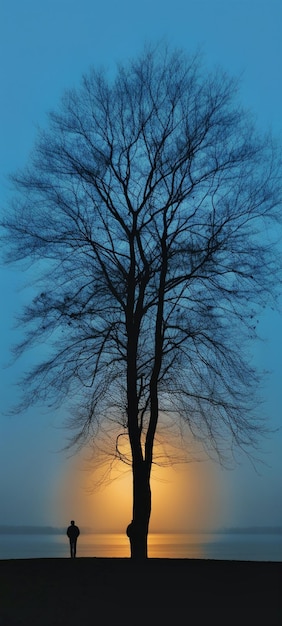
(45, 48)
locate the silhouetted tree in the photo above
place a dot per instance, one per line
(148, 208)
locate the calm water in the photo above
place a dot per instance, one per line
(245, 547)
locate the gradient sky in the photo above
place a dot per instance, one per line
(45, 47)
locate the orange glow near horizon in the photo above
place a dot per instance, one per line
(185, 497)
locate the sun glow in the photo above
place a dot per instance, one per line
(184, 497)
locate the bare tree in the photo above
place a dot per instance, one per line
(148, 206)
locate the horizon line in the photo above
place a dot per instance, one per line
(53, 530)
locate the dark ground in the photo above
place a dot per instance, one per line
(159, 592)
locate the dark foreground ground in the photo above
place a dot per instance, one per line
(119, 592)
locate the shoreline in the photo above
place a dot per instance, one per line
(107, 591)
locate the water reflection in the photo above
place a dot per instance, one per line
(104, 545)
(226, 546)
(159, 545)
(175, 546)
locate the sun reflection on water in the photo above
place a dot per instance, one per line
(175, 546)
(160, 545)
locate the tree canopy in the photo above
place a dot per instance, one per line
(149, 205)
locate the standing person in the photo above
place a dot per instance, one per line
(73, 532)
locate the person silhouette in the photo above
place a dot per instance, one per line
(73, 532)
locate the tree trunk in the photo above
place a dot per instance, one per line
(137, 530)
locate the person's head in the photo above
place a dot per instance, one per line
(72, 522)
